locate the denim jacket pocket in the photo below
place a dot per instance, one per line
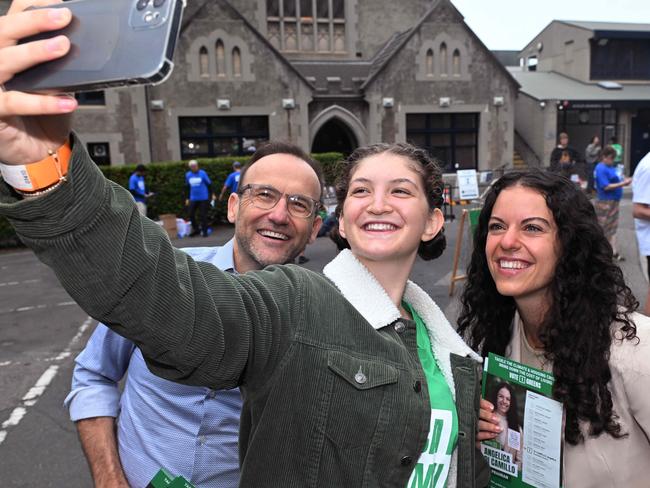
(360, 373)
(361, 398)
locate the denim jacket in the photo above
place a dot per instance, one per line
(296, 342)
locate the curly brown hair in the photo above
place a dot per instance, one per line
(588, 296)
(421, 163)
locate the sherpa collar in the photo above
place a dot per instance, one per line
(363, 291)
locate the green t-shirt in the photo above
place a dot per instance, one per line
(619, 152)
(432, 468)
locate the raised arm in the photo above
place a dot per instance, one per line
(193, 323)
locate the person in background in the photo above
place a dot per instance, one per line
(232, 181)
(198, 186)
(592, 156)
(565, 164)
(138, 188)
(556, 154)
(542, 289)
(641, 212)
(127, 437)
(609, 191)
(618, 159)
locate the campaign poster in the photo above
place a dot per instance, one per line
(528, 451)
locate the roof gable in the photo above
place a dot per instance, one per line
(399, 41)
(230, 9)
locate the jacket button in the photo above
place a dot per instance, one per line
(417, 386)
(406, 461)
(360, 377)
(399, 327)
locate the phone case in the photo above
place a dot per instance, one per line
(113, 43)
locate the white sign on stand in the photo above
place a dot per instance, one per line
(467, 184)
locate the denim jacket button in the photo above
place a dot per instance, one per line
(399, 327)
(360, 377)
(406, 460)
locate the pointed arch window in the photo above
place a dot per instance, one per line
(204, 62)
(429, 62)
(455, 63)
(236, 62)
(443, 59)
(221, 58)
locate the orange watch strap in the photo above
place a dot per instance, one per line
(40, 175)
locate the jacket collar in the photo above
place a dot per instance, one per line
(359, 287)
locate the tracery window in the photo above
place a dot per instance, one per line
(306, 25)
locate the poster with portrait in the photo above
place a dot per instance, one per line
(528, 451)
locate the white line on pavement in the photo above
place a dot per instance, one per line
(36, 391)
(5, 363)
(14, 283)
(15, 417)
(42, 383)
(35, 307)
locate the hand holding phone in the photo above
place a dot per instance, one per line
(112, 43)
(31, 124)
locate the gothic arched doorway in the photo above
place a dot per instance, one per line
(334, 136)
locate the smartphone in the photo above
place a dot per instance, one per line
(113, 43)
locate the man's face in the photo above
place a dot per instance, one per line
(265, 237)
(564, 141)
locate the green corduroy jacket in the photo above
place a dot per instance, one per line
(293, 340)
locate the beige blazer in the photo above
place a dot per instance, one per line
(605, 462)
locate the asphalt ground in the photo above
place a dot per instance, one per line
(42, 330)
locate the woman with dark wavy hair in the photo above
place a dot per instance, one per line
(543, 289)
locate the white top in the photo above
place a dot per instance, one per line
(641, 194)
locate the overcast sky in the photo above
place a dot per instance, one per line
(511, 24)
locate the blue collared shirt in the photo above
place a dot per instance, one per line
(190, 431)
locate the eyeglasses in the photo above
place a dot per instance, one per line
(266, 197)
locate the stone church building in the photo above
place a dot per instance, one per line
(329, 75)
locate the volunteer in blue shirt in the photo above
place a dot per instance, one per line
(138, 188)
(198, 191)
(609, 191)
(232, 181)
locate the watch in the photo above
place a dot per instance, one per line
(38, 176)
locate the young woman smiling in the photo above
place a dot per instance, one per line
(542, 289)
